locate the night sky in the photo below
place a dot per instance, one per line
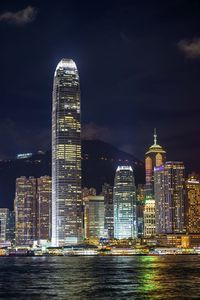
(139, 66)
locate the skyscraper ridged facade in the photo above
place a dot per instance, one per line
(170, 198)
(124, 204)
(66, 155)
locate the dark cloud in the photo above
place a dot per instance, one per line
(21, 17)
(191, 48)
(91, 131)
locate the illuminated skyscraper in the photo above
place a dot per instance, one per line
(94, 216)
(107, 192)
(124, 204)
(140, 209)
(4, 215)
(25, 211)
(149, 217)
(170, 198)
(43, 215)
(154, 157)
(66, 155)
(193, 203)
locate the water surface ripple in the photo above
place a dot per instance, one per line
(73, 278)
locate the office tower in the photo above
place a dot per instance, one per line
(124, 199)
(88, 192)
(140, 209)
(154, 157)
(170, 198)
(149, 217)
(4, 212)
(94, 216)
(66, 155)
(25, 211)
(193, 203)
(107, 192)
(43, 215)
(11, 227)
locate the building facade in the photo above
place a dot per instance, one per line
(170, 198)
(4, 218)
(94, 217)
(25, 211)
(149, 217)
(66, 155)
(124, 200)
(107, 192)
(193, 203)
(154, 157)
(32, 210)
(43, 214)
(141, 195)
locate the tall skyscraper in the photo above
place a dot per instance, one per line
(154, 157)
(4, 214)
(124, 203)
(66, 155)
(32, 210)
(43, 214)
(25, 210)
(170, 198)
(107, 192)
(193, 203)
(140, 209)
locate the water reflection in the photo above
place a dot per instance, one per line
(100, 278)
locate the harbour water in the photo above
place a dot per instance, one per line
(74, 278)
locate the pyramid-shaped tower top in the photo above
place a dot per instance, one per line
(155, 148)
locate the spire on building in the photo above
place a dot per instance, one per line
(155, 137)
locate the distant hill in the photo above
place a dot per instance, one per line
(99, 162)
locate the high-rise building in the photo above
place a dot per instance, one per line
(124, 199)
(43, 214)
(170, 198)
(107, 192)
(149, 217)
(154, 157)
(94, 216)
(11, 227)
(4, 213)
(66, 155)
(25, 210)
(193, 203)
(141, 193)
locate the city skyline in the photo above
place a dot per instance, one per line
(154, 73)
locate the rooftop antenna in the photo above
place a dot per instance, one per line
(155, 137)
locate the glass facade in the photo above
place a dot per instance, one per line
(170, 198)
(107, 192)
(94, 215)
(149, 217)
(25, 210)
(44, 195)
(124, 204)
(4, 214)
(66, 155)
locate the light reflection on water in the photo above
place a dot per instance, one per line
(142, 277)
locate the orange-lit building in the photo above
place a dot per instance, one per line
(154, 157)
(193, 203)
